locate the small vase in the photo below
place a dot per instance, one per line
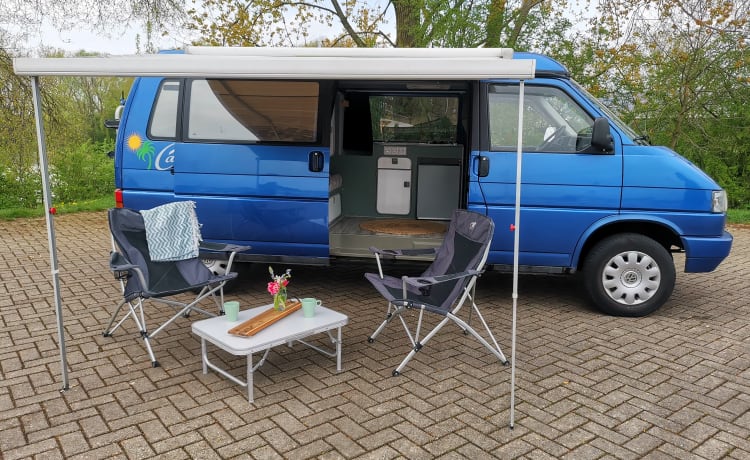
(279, 300)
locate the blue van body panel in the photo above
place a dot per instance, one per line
(705, 254)
(240, 221)
(656, 166)
(544, 64)
(266, 196)
(256, 160)
(147, 179)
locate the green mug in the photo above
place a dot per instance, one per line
(308, 306)
(231, 310)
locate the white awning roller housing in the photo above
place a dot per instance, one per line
(295, 63)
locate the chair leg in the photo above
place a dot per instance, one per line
(154, 362)
(141, 323)
(418, 346)
(393, 311)
(109, 329)
(494, 350)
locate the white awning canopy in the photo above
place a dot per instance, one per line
(294, 63)
(284, 63)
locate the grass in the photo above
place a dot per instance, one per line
(734, 216)
(97, 204)
(738, 216)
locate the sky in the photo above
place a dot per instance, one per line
(76, 40)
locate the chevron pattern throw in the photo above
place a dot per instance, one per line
(172, 231)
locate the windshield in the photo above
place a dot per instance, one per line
(614, 118)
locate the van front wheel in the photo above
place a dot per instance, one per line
(628, 275)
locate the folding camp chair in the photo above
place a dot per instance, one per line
(444, 287)
(142, 279)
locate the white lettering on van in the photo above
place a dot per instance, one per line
(165, 158)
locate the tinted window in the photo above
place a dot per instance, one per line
(164, 119)
(552, 121)
(253, 111)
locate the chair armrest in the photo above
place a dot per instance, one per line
(221, 247)
(420, 282)
(119, 263)
(393, 253)
(122, 269)
(229, 250)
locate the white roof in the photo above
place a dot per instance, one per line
(295, 63)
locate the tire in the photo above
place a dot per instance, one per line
(628, 275)
(219, 267)
(216, 266)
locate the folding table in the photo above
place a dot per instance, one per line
(293, 328)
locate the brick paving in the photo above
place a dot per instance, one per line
(675, 384)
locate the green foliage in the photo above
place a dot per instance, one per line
(738, 216)
(76, 174)
(82, 172)
(74, 111)
(20, 189)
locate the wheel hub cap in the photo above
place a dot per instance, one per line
(631, 277)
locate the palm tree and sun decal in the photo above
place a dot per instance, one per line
(143, 149)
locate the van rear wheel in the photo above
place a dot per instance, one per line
(216, 266)
(628, 275)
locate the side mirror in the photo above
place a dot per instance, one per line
(601, 137)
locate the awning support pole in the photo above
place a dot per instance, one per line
(516, 239)
(43, 169)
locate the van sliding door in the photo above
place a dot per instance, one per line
(253, 160)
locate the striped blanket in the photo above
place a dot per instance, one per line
(172, 231)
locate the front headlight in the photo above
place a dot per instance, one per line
(719, 201)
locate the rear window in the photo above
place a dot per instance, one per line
(164, 118)
(253, 111)
(416, 119)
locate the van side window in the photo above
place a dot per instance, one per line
(253, 111)
(163, 123)
(553, 122)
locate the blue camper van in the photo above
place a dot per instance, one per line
(300, 164)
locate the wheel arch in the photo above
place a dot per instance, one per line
(661, 231)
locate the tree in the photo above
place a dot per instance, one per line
(418, 23)
(74, 112)
(681, 76)
(24, 18)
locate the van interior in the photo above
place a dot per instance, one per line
(398, 164)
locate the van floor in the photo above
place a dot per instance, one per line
(350, 237)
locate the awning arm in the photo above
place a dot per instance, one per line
(49, 210)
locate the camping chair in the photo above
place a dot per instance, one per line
(444, 287)
(141, 278)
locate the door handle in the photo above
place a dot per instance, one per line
(483, 169)
(315, 161)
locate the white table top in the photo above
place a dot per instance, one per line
(294, 326)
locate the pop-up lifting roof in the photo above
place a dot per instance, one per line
(296, 63)
(286, 63)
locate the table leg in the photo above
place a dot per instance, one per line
(338, 352)
(250, 377)
(204, 358)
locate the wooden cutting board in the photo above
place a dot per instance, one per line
(263, 320)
